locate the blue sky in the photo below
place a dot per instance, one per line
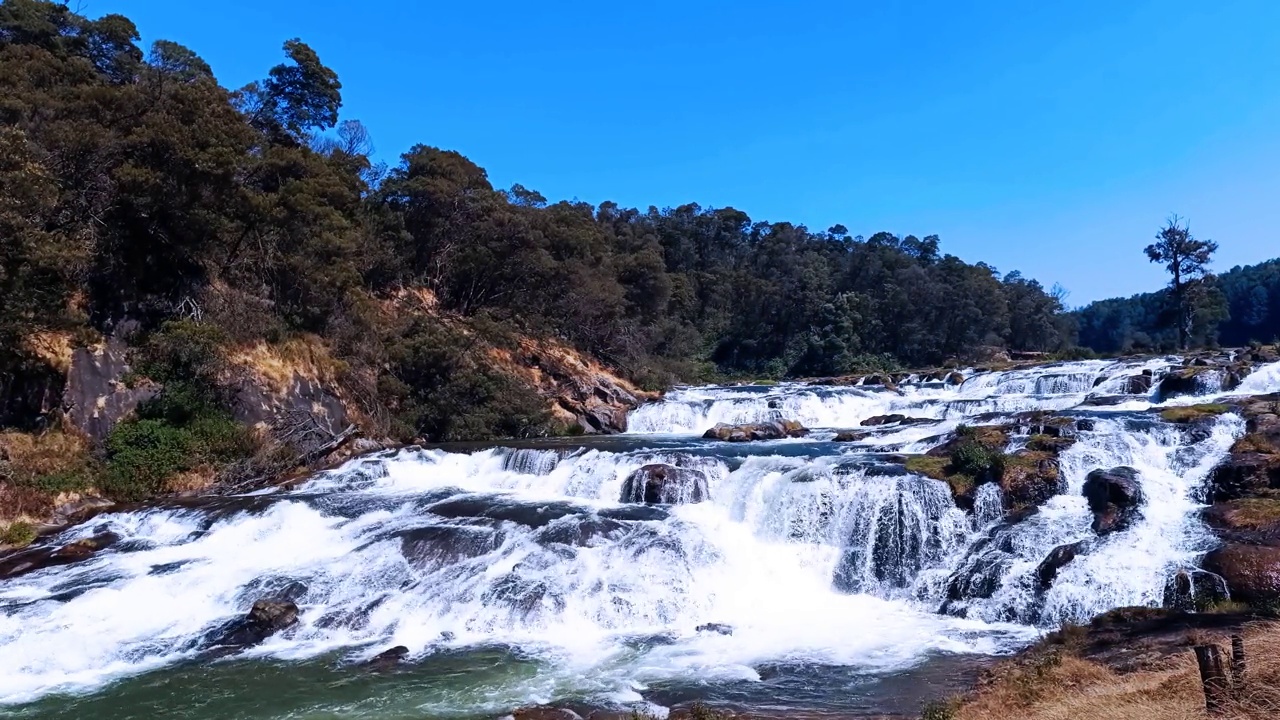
(1052, 138)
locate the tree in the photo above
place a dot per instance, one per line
(296, 98)
(1187, 259)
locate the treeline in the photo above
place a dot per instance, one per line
(134, 188)
(1242, 307)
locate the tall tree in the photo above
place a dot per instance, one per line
(1187, 260)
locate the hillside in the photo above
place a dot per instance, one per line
(1247, 310)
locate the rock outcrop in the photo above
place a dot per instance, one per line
(1195, 590)
(774, 430)
(661, 484)
(97, 395)
(1115, 498)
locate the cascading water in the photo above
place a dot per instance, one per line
(520, 576)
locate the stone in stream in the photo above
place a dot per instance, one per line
(894, 418)
(718, 628)
(388, 659)
(32, 559)
(1194, 590)
(1058, 557)
(662, 484)
(773, 430)
(265, 618)
(1115, 498)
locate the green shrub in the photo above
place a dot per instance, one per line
(940, 710)
(977, 460)
(18, 534)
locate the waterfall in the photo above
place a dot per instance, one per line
(812, 552)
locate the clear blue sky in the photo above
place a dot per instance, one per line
(1047, 137)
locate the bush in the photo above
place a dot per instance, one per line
(977, 460)
(18, 534)
(143, 453)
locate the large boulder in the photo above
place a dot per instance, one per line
(774, 430)
(661, 484)
(1252, 572)
(1194, 590)
(1139, 384)
(1029, 478)
(1115, 498)
(265, 618)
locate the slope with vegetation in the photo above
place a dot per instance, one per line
(180, 261)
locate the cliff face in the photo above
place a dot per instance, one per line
(583, 395)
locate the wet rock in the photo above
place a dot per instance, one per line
(662, 484)
(1086, 424)
(1106, 400)
(891, 419)
(33, 559)
(1194, 590)
(1254, 521)
(388, 659)
(850, 436)
(1115, 498)
(775, 430)
(523, 596)
(719, 628)
(579, 531)
(1057, 558)
(1139, 384)
(1198, 379)
(265, 618)
(496, 507)
(1245, 474)
(954, 378)
(1252, 572)
(436, 546)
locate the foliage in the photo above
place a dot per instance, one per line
(145, 452)
(18, 534)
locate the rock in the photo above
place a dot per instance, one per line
(774, 430)
(719, 628)
(1194, 590)
(1138, 384)
(96, 396)
(388, 659)
(661, 484)
(1252, 572)
(33, 559)
(1058, 557)
(1254, 521)
(850, 436)
(436, 546)
(1199, 379)
(1115, 497)
(265, 618)
(890, 419)
(954, 378)
(1086, 424)
(1245, 474)
(1029, 478)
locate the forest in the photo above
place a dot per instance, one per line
(137, 192)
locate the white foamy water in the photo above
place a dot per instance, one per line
(813, 552)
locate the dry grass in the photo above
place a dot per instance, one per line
(55, 348)
(32, 455)
(1056, 685)
(1192, 413)
(305, 356)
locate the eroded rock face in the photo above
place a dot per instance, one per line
(1252, 572)
(775, 430)
(96, 396)
(661, 484)
(1115, 498)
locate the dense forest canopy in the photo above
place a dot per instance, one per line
(136, 189)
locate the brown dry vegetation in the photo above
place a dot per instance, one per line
(1054, 683)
